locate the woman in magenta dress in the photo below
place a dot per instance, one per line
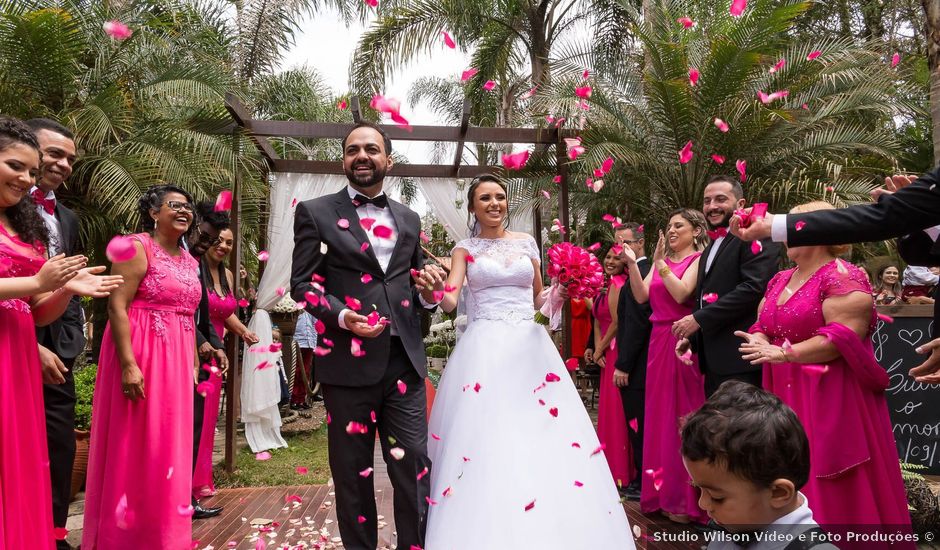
(139, 484)
(222, 306)
(813, 335)
(33, 292)
(674, 387)
(611, 422)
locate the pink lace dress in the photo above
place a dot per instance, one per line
(673, 390)
(220, 309)
(611, 422)
(140, 460)
(855, 478)
(25, 492)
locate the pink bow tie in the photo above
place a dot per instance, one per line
(47, 204)
(720, 232)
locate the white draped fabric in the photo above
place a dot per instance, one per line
(443, 196)
(260, 388)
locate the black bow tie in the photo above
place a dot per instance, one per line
(380, 201)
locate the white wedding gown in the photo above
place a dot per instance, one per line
(515, 460)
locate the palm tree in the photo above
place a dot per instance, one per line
(825, 139)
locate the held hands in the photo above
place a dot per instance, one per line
(757, 230)
(359, 325)
(928, 372)
(87, 282)
(57, 271)
(684, 351)
(685, 327)
(429, 280)
(892, 184)
(621, 379)
(132, 382)
(53, 370)
(758, 350)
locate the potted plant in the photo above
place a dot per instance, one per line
(437, 355)
(84, 392)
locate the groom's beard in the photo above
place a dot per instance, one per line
(365, 181)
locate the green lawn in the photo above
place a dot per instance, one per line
(307, 449)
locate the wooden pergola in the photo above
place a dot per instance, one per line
(259, 131)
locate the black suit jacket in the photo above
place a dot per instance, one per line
(205, 332)
(739, 278)
(633, 333)
(66, 336)
(342, 263)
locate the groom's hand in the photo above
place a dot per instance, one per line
(359, 325)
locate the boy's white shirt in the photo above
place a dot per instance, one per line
(794, 523)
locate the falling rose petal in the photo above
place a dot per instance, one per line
(805, 107)
(422, 473)
(343, 223)
(372, 3)
(738, 7)
(721, 125)
(585, 74)
(598, 450)
(799, 225)
(366, 278)
(578, 483)
(366, 473)
(576, 445)
(402, 387)
(366, 223)
(263, 256)
(301, 470)
(262, 456)
(373, 319)
(895, 59)
(634, 425)
(470, 259)
(120, 249)
(718, 159)
(619, 280)
(447, 492)
(596, 246)
(424, 237)
(552, 377)
(364, 247)
(815, 369)
(597, 186)
(243, 303)
(405, 303)
(515, 161)
(885, 318)
(342, 105)
(223, 203)
(546, 194)
(280, 291)
(477, 387)
(830, 189)
(448, 40)
(354, 428)
(430, 501)
(710, 298)
(813, 55)
(397, 453)
(530, 506)
(489, 85)
(530, 93)
(361, 518)
(382, 231)
(435, 437)
(355, 347)
(185, 510)
(60, 533)
(686, 22)
(468, 74)
(756, 247)
(373, 417)
(571, 363)
(320, 351)
(584, 92)
(693, 76)
(542, 402)
(353, 303)
(556, 179)
(553, 411)
(741, 166)
(686, 154)
(778, 66)
(117, 30)
(607, 165)
(264, 365)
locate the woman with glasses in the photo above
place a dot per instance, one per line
(138, 488)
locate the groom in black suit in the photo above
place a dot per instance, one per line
(356, 255)
(64, 339)
(731, 283)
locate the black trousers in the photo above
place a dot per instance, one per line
(60, 436)
(634, 403)
(401, 421)
(713, 381)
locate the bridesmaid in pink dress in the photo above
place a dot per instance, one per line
(813, 337)
(222, 307)
(27, 282)
(674, 387)
(139, 485)
(611, 422)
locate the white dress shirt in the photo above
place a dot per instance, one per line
(777, 535)
(52, 223)
(713, 252)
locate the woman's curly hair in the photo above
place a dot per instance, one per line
(152, 199)
(23, 216)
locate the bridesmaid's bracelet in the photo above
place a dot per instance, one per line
(663, 271)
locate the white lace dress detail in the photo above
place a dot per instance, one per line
(500, 278)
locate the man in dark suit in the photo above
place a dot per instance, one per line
(63, 340)
(633, 340)
(731, 283)
(356, 256)
(904, 207)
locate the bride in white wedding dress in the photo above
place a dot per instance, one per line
(516, 463)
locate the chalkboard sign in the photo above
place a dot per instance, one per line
(914, 407)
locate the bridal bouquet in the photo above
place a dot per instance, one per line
(575, 268)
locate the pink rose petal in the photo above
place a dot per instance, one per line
(367, 472)
(553, 411)
(422, 473)
(578, 483)
(718, 159)
(366, 278)
(710, 298)
(686, 22)
(598, 449)
(343, 223)
(366, 223)
(584, 92)
(489, 85)
(263, 256)
(364, 246)
(120, 249)
(813, 55)
(301, 470)
(342, 105)
(552, 377)
(634, 425)
(779, 65)
(693, 76)
(571, 363)
(741, 166)
(895, 59)
(448, 41)
(685, 154)
(468, 74)
(117, 30)
(185, 510)
(515, 161)
(382, 231)
(223, 203)
(402, 387)
(354, 428)
(530, 506)
(361, 518)
(721, 125)
(756, 247)
(885, 318)
(799, 225)
(263, 455)
(738, 7)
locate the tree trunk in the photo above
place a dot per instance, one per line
(932, 28)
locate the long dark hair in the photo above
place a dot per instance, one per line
(23, 216)
(205, 213)
(152, 199)
(472, 223)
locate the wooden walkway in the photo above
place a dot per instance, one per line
(304, 517)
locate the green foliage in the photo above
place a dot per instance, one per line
(436, 351)
(307, 449)
(84, 394)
